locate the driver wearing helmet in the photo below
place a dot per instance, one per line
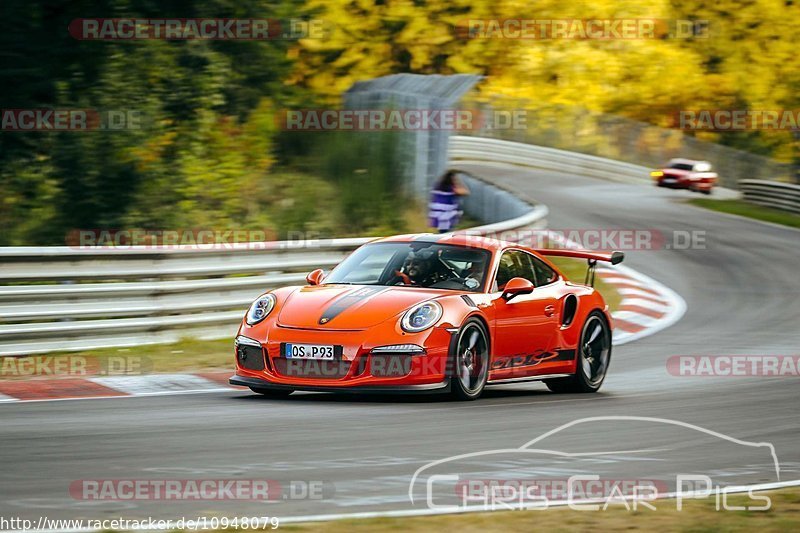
(418, 269)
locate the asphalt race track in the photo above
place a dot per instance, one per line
(742, 295)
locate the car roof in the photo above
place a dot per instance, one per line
(454, 239)
(686, 161)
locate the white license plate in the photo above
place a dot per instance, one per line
(669, 180)
(308, 351)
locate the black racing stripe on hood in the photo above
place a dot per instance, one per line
(347, 300)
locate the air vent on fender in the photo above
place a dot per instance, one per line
(570, 307)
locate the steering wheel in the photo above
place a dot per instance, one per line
(403, 277)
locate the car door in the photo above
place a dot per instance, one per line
(525, 326)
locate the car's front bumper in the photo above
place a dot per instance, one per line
(357, 366)
(258, 383)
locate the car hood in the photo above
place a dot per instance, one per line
(340, 307)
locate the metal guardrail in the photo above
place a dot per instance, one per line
(476, 149)
(620, 138)
(774, 194)
(64, 298)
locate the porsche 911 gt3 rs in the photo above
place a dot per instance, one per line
(423, 313)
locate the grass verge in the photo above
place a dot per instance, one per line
(575, 270)
(183, 356)
(696, 516)
(746, 209)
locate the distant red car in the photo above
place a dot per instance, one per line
(430, 313)
(686, 174)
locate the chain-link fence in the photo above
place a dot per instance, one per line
(424, 151)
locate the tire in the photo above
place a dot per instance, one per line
(470, 361)
(594, 356)
(272, 393)
(707, 192)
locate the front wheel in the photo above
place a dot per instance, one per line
(272, 393)
(594, 354)
(471, 368)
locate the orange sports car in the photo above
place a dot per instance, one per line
(423, 313)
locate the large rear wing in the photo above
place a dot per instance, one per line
(614, 258)
(591, 257)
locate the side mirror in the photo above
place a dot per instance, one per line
(315, 277)
(515, 287)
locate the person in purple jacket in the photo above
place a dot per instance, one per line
(444, 208)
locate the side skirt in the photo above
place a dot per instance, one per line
(527, 378)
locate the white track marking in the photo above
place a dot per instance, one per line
(620, 336)
(155, 383)
(618, 280)
(647, 304)
(481, 509)
(675, 305)
(635, 318)
(129, 396)
(4, 398)
(626, 291)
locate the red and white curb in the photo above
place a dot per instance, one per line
(79, 388)
(647, 306)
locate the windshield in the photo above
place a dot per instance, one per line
(414, 264)
(681, 166)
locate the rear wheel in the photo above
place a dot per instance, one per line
(272, 393)
(594, 354)
(471, 367)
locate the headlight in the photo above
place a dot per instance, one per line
(260, 309)
(421, 317)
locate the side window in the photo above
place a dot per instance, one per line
(514, 264)
(525, 268)
(505, 271)
(544, 274)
